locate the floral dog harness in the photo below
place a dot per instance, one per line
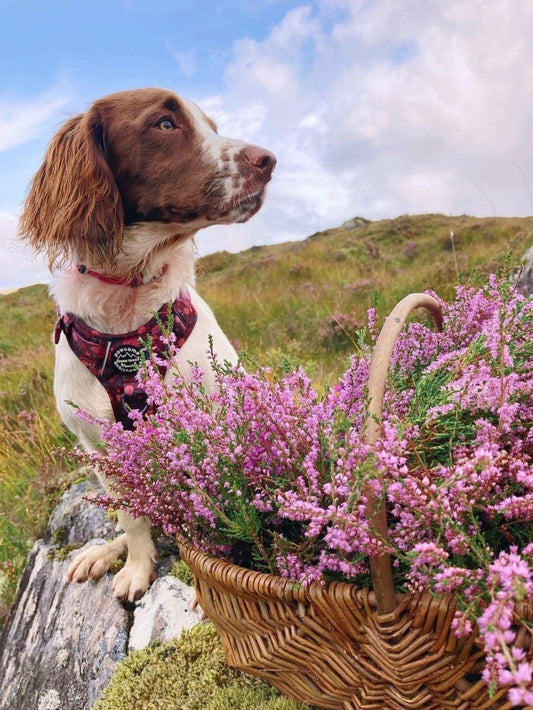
(115, 359)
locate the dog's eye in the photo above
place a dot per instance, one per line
(166, 125)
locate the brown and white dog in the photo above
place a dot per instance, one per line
(122, 191)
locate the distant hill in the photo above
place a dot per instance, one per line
(306, 298)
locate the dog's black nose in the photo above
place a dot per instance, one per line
(260, 158)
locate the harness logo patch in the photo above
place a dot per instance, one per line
(127, 359)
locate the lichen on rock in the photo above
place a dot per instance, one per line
(50, 700)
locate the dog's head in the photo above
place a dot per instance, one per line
(146, 155)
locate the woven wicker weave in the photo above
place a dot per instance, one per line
(338, 646)
(329, 646)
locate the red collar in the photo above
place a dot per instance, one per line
(135, 281)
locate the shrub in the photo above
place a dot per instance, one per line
(269, 474)
(340, 331)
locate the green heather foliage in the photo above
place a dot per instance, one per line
(189, 673)
(300, 299)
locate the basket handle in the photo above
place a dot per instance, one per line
(381, 566)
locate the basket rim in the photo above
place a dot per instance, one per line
(241, 580)
(223, 571)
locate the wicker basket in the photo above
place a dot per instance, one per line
(339, 646)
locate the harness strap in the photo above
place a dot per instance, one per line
(115, 359)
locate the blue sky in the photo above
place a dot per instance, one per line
(373, 107)
(104, 45)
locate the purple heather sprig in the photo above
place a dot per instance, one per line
(269, 474)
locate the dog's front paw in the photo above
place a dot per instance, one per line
(132, 581)
(94, 561)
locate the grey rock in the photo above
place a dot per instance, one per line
(163, 613)
(524, 279)
(523, 275)
(76, 520)
(62, 641)
(354, 223)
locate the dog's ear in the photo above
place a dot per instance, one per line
(73, 208)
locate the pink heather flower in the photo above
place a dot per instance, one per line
(461, 624)
(372, 318)
(269, 473)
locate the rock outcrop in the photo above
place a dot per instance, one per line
(354, 223)
(524, 275)
(62, 641)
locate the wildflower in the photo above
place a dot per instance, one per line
(268, 474)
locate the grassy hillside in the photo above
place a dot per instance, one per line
(307, 298)
(302, 299)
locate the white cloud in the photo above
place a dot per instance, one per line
(18, 266)
(385, 108)
(22, 121)
(186, 61)
(373, 108)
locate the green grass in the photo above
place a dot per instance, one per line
(32, 473)
(301, 299)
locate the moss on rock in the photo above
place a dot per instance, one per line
(60, 553)
(183, 572)
(189, 673)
